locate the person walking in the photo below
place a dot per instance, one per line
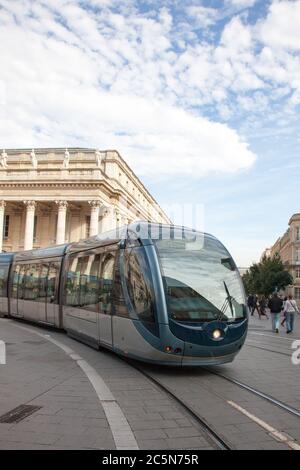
(290, 309)
(255, 305)
(275, 306)
(250, 303)
(283, 312)
(262, 307)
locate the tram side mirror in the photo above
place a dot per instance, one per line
(228, 263)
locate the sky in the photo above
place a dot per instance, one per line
(201, 98)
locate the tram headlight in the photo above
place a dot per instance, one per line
(217, 334)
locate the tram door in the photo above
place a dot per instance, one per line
(105, 298)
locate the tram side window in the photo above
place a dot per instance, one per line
(139, 285)
(120, 308)
(31, 284)
(52, 284)
(72, 289)
(90, 282)
(43, 282)
(3, 280)
(14, 291)
(22, 280)
(106, 286)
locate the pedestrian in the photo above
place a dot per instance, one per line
(250, 303)
(255, 305)
(290, 309)
(275, 306)
(262, 307)
(283, 312)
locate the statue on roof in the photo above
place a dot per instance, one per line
(66, 159)
(33, 159)
(3, 159)
(98, 158)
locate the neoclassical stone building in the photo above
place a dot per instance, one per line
(288, 247)
(52, 196)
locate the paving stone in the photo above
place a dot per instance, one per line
(141, 425)
(186, 443)
(152, 444)
(150, 434)
(183, 432)
(72, 416)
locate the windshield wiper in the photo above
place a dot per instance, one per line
(228, 301)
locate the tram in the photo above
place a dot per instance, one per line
(152, 292)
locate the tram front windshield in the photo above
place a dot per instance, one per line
(200, 279)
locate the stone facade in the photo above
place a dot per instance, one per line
(52, 196)
(288, 246)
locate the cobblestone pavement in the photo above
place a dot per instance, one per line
(72, 414)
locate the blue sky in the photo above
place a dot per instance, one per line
(201, 97)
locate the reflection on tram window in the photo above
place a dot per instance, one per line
(31, 282)
(199, 284)
(72, 288)
(139, 284)
(107, 274)
(52, 282)
(90, 282)
(15, 282)
(22, 279)
(3, 280)
(36, 282)
(43, 282)
(120, 308)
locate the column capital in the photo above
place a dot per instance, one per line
(95, 203)
(105, 210)
(30, 205)
(62, 205)
(2, 204)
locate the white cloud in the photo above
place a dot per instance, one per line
(202, 16)
(241, 3)
(281, 27)
(236, 36)
(117, 77)
(100, 79)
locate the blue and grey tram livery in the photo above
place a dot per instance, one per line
(157, 293)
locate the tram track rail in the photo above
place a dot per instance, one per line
(258, 393)
(212, 435)
(267, 349)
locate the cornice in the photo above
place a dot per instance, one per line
(56, 184)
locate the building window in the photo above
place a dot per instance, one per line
(6, 227)
(297, 253)
(297, 293)
(298, 233)
(87, 225)
(34, 228)
(297, 273)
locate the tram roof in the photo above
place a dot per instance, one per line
(41, 253)
(6, 257)
(145, 231)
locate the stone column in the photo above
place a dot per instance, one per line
(2, 209)
(94, 222)
(108, 221)
(29, 224)
(61, 222)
